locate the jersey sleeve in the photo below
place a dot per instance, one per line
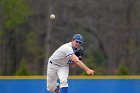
(69, 51)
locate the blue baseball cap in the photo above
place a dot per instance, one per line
(78, 38)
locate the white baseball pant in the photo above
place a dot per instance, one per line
(54, 73)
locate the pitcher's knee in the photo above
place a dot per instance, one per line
(63, 83)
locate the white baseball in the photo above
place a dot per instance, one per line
(52, 16)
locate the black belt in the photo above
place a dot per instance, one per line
(54, 63)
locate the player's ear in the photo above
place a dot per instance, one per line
(72, 39)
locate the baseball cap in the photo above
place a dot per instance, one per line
(78, 38)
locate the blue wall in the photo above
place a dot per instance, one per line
(75, 86)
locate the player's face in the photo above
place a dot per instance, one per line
(76, 44)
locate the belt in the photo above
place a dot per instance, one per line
(54, 63)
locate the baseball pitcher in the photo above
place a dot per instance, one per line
(58, 64)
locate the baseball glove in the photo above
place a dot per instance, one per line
(80, 53)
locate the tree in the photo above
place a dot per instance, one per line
(13, 14)
(123, 70)
(23, 69)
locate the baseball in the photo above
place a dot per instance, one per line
(52, 16)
